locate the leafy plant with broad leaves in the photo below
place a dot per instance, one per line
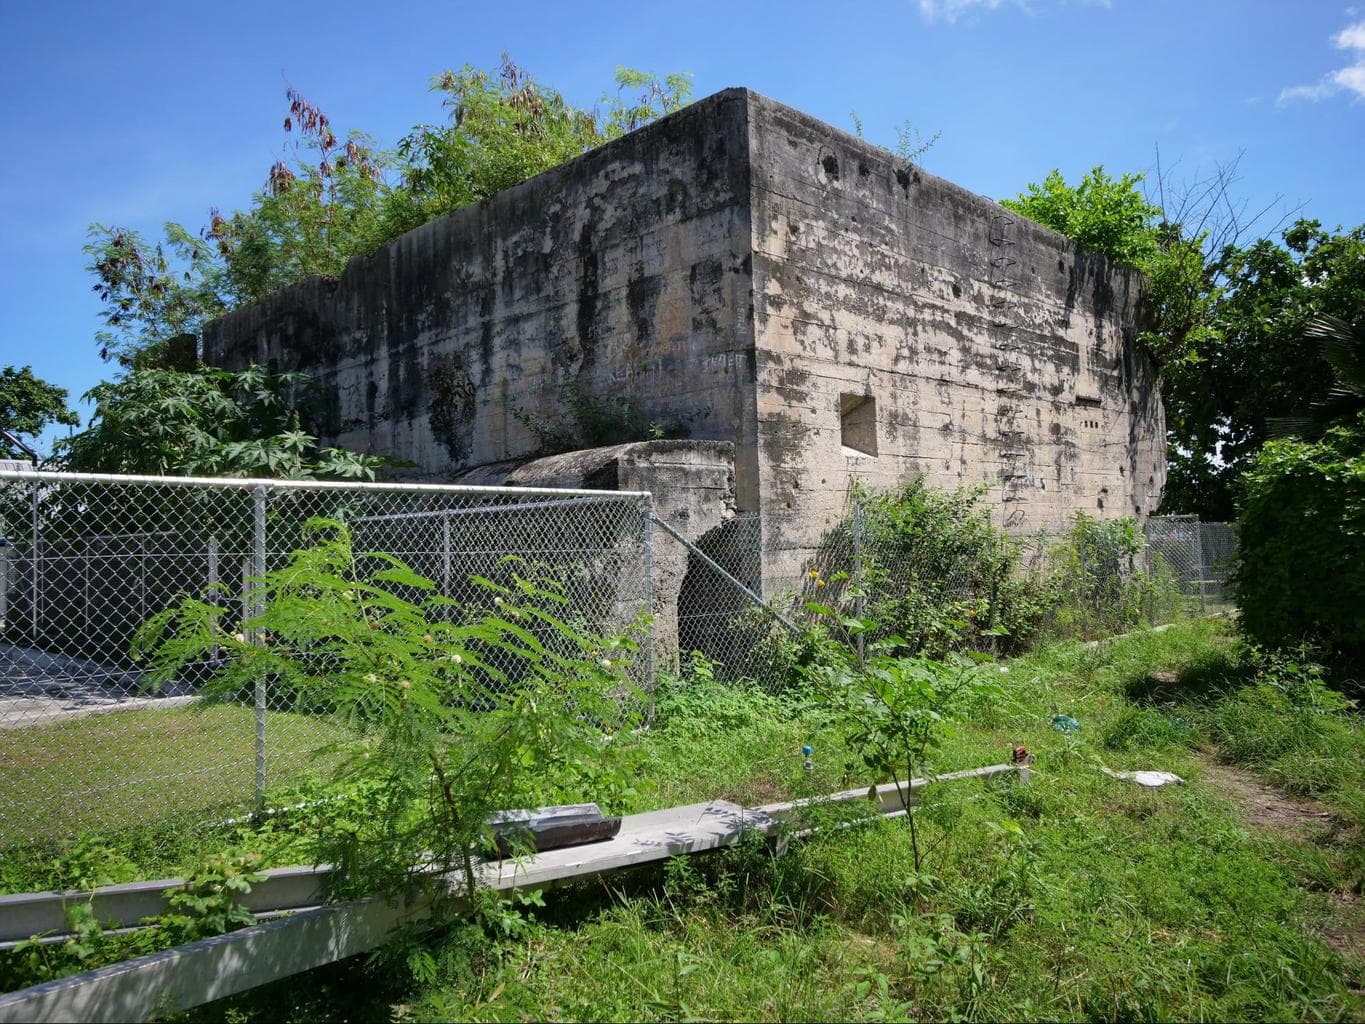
(208, 902)
(1265, 361)
(1301, 543)
(207, 422)
(455, 711)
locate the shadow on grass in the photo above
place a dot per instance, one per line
(1207, 678)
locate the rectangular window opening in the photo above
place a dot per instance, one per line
(858, 424)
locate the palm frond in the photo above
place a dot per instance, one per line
(1343, 346)
(1303, 428)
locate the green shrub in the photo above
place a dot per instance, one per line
(936, 572)
(455, 711)
(1099, 588)
(1302, 546)
(928, 566)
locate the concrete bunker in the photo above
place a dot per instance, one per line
(820, 313)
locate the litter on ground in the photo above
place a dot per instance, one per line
(1151, 780)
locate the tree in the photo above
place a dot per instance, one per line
(313, 215)
(338, 198)
(1256, 365)
(1116, 217)
(152, 294)
(1302, 517)
(1110, 215)
(28, 405)
(1343, 346)
(505, 127)
(1226, 320)
(206, 422)
(333, 201)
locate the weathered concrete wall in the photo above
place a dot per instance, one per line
(836, 313)
(994, 350)
(624, 272)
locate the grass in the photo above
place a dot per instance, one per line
(1079, 897)
(148, 781)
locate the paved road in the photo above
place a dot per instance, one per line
(37, 687)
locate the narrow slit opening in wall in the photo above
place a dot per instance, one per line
(858, 424)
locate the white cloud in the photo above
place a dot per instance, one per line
(1352, 37)
(951, 10)
(1350, 79)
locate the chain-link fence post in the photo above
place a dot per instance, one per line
(87, 614)
(257, 607)
(211, 595)
(35, 546)
(860, 584)
(6, 559)
(1199, 562)
(1083, 591)
(994, 598)
(445, 554)
(142, 577)
(647, 540)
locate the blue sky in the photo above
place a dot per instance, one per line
(133, 114)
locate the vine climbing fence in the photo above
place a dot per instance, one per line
(87, 745)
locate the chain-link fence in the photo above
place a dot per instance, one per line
(960, 589)
(87, 744)
(721, 613)
(1218, 558)
(1197, 557)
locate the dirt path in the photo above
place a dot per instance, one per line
(1301, 820)
(1264, 805)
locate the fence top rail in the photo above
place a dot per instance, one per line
(29, 476)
